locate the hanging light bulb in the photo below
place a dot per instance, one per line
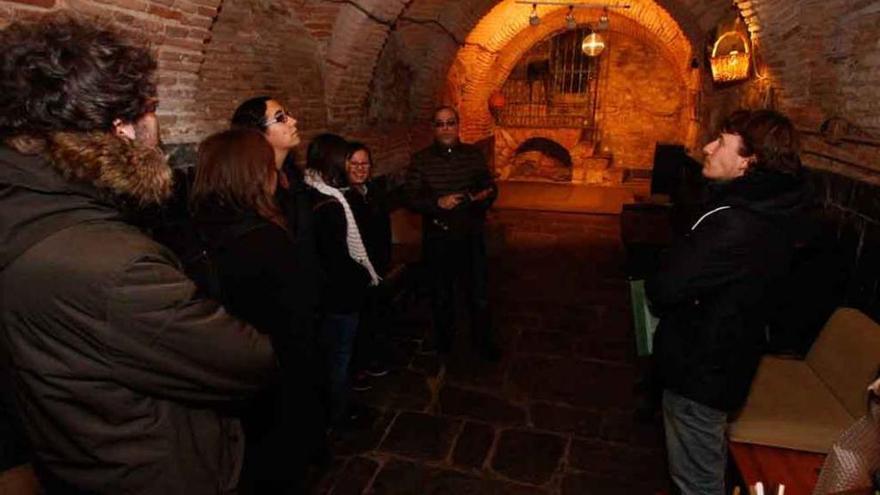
(603, 21)
(534, 20)
(593, 45)
(570, 22)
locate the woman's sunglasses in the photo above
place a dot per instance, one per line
(281, 117)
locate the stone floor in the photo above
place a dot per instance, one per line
(555, 416)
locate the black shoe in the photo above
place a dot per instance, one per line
(360, 382)
(376, 369)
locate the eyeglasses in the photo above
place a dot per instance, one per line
(359, 164)
(445, 123)
(281, 117)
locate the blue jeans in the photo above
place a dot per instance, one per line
(337, 340)
(696, 445)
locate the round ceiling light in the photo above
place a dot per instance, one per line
(593, 45)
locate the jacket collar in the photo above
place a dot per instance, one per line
(441, 149)
(122, 168)
(80, 178)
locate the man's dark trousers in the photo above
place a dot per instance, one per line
(459, 261)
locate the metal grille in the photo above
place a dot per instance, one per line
(553, 85)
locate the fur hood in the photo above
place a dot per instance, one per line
(112, 164)
(78, 178)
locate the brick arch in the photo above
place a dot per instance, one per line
(514, 142)
(491, 24)
(358, 36)
(257, 47)
(491, 72)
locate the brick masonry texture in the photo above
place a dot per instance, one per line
(328, 60)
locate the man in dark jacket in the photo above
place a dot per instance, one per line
(450, 185)
(121, 375)
(712, 289)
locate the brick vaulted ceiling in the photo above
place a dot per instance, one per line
(433, 32)
(328, 57)
(327, 51)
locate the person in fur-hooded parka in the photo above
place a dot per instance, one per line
(122, 376)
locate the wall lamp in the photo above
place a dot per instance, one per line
(570, 21)
(593, 44)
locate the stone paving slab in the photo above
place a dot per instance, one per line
(400, 389)
(367, 437)
(404, 478)
(528, 456)
(616, 460)
(355, 477)
(456, 401)
(566, 420)
(473, 445)
(421, 436)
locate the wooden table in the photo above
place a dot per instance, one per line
(797, 470)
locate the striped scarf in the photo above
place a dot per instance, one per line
(356, 249)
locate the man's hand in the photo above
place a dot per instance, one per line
(450, 201)
(484, 194)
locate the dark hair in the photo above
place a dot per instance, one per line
(234, 167)
(60, 74)
(327, 154)
(767, 135)
(251, 114)
(446, 107)
(354, 147)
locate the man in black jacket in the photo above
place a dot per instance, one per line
(450, 185)
(712, 289)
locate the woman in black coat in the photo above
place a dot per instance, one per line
(254, 275)
(345, 263)
(368, 198)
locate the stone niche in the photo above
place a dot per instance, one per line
(642, 100)
(551, 155)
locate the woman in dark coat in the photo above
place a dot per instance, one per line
(368, 198)
(255, 276)
(268, 116)
(345, 262)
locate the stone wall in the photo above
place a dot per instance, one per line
(844, 255)
(642, 100)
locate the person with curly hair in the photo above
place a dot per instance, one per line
(124, 378)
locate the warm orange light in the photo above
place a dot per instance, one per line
(734, 66)
(593, 45)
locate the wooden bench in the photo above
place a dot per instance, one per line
(806, 404)
(797, 408)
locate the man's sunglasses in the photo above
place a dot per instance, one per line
(445, 123)
(281, 117)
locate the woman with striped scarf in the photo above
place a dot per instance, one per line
(344, 260)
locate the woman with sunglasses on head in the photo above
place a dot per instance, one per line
(249, 246)
(346, 264)
(369, 199)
